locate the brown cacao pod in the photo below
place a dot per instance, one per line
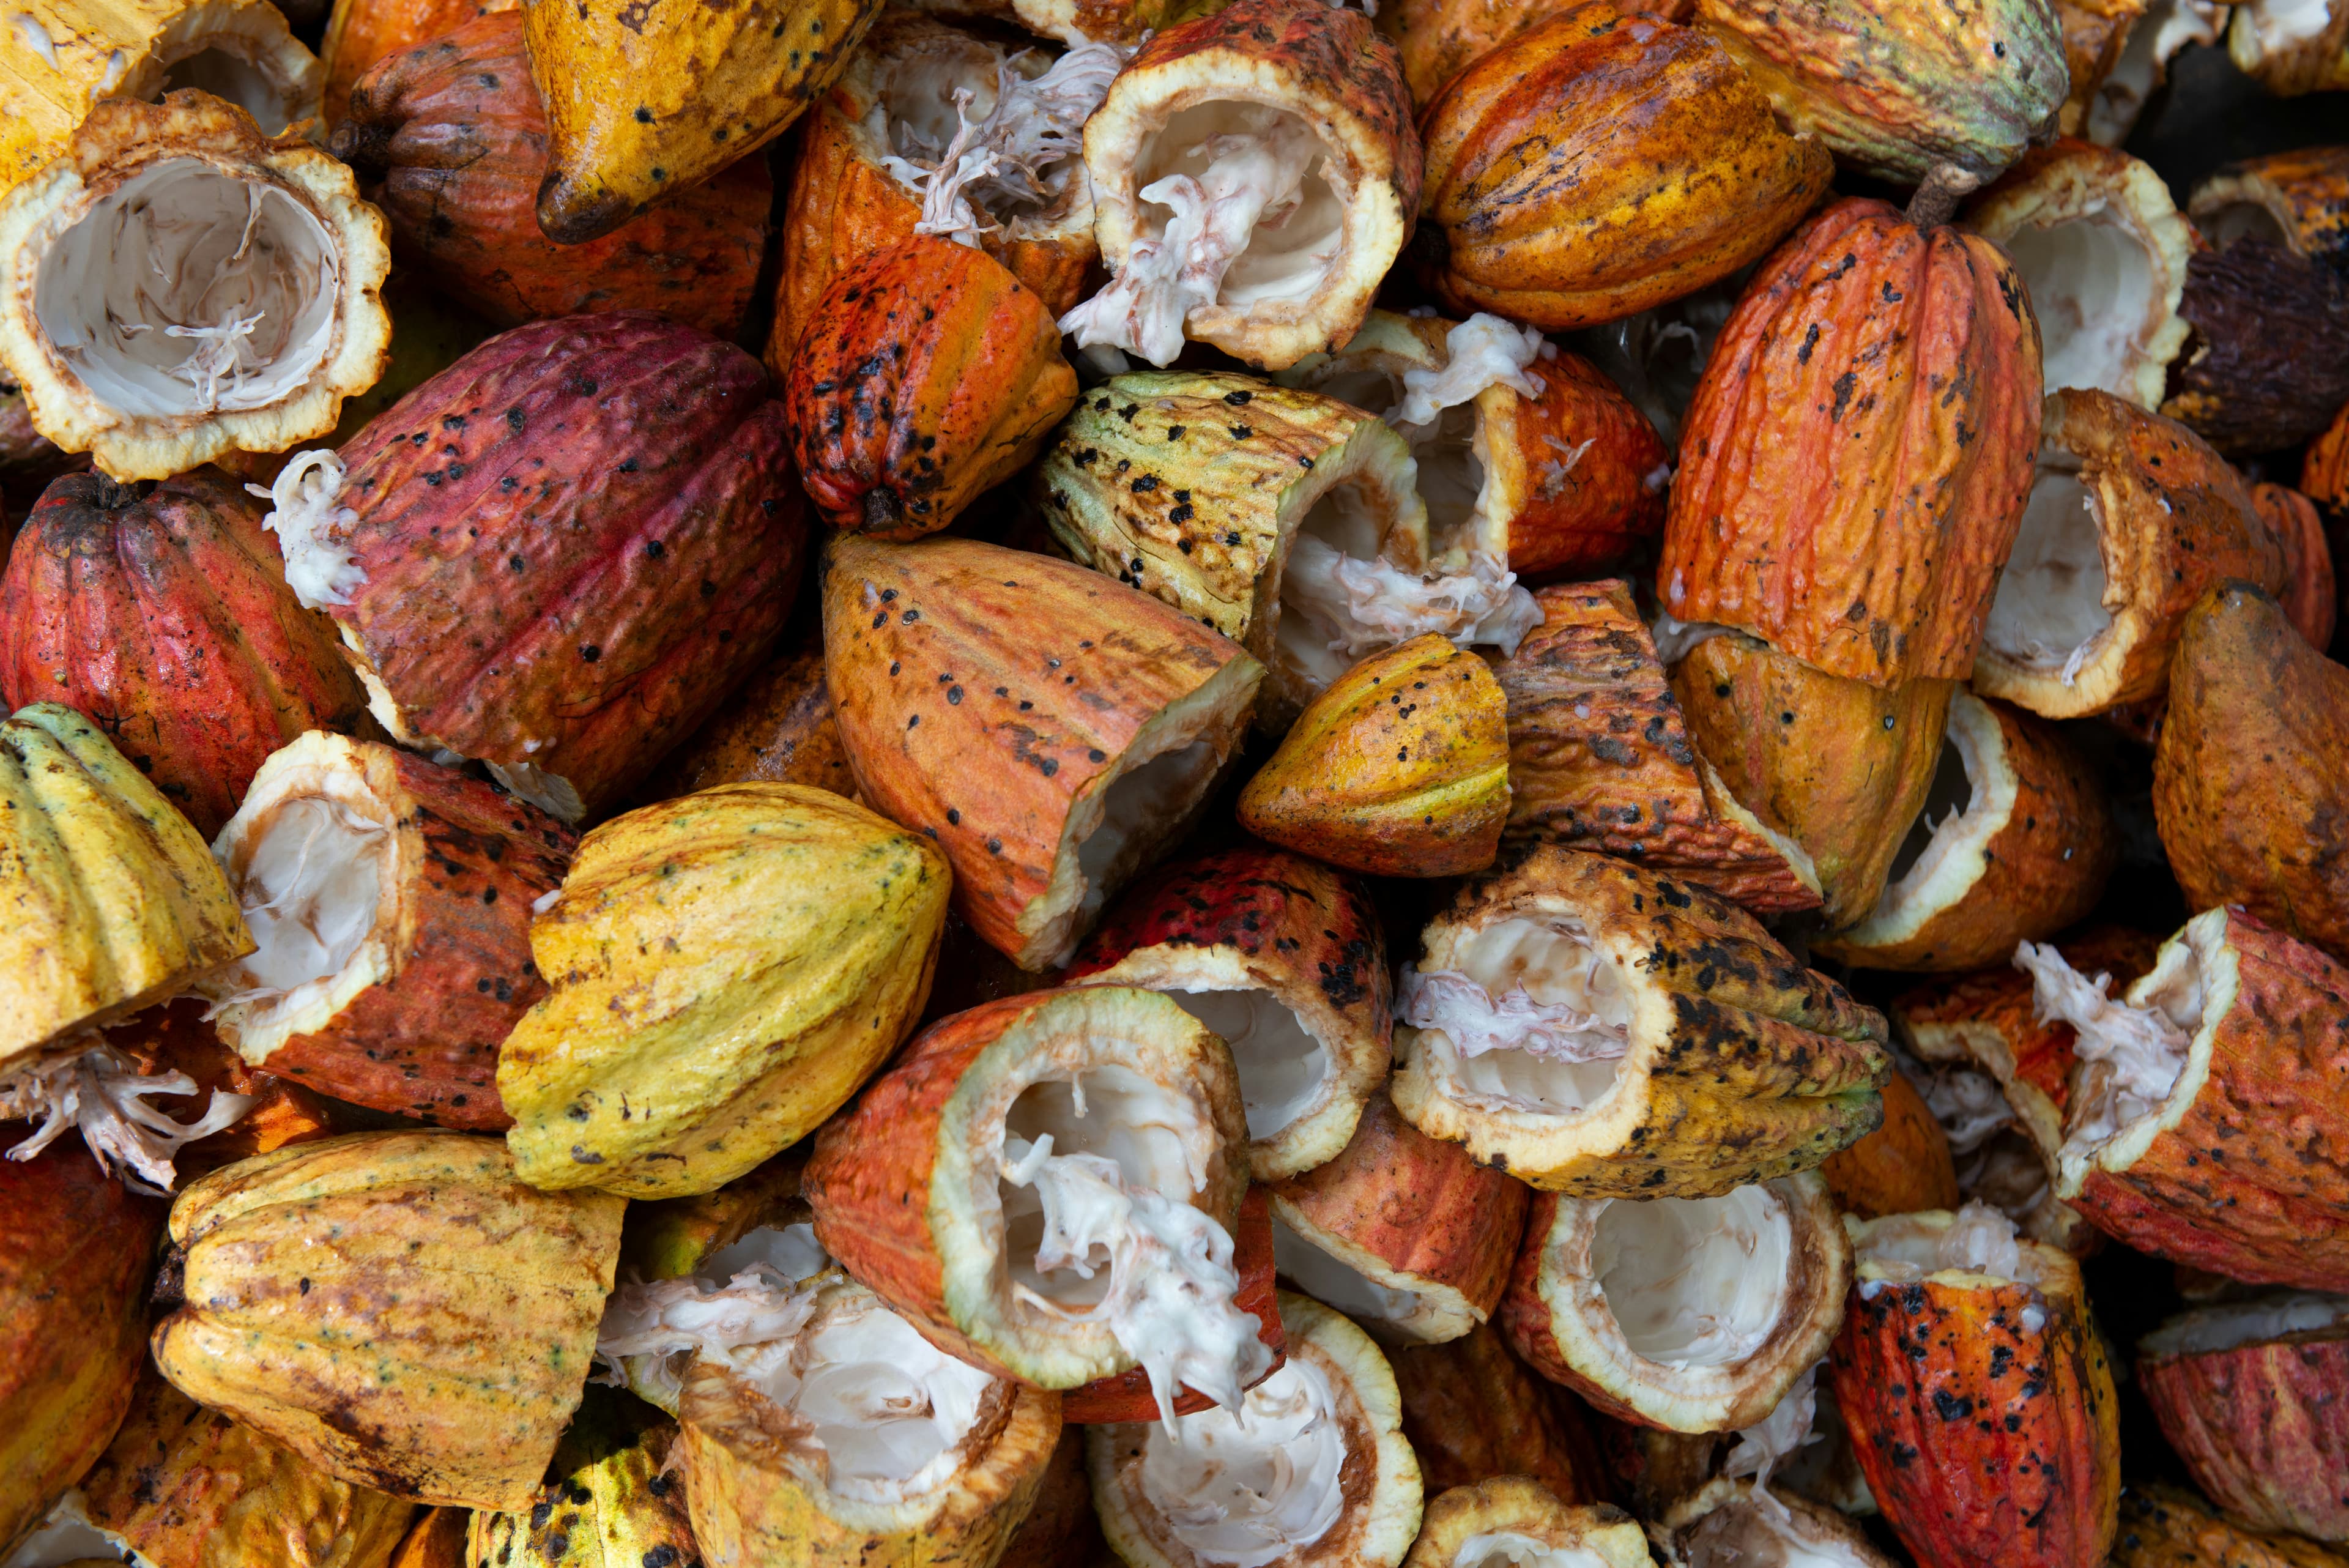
(449, 140)
(1474, 1411)
(1601, 162)
(161, 612)
(566, 547)
(2268, 362)
(2247, 782)
(1857, 459)
(926, 374)
(2310, 591)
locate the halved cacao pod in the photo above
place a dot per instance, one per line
(1474, 1411)
(2131, 518)
(181, 1484)
(727, 968)
(1901, 1168)
(1694, 1314)
(871, 147)
(361, 32)
(1407, 1236)
(775, 728)
(2290, 49)
(76, 1250)
(1596, 1029)
(2265, 368)
(2300, 197)
(1434, 810)
(1515, 1518)
(390, 899)
(1728, 1522)
(642, 104)
(114, 902)
(163, 614)
(608, 1498)
(2254, 1397)
(557, 554)
(2102, 250)
(1824, 764)
(72, 56)
(1287, 520)
(1902, 92)
(1311, 169)
(1600, 162)
(2096, 35)
(1283, 957)
(2169, 1527)
(449, 139)
(2201, 1093)
(1316, 1472)
(1599, 757)
(1855, 461)
(1527, 455)
(777, 1468)
(1050, 731)
(1980, 1405)
(2014, 843)
(926, 374)
(933, 1190)
(154, 380)
(2310, 595)
(2246, 777)
(378, 1237)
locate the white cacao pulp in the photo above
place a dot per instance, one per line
(1243, 1487)
(1533, 1019)
(102, 1095)
(976, 176)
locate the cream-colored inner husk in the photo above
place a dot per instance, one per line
(311, 876)
(744, 1296)
(2092, 284)
(1533, 1017)
(2235, 1323)
(2167, 27)
(227, 75)
(1141, 807)
(2049, 610)
(185, 291)
(1096, 1228)
(988, 143)
(1235, 208)
(2241, 221)
(2132, 1050)
(1977, 1239)
(2278, 26)
(65, 1536)
(1757, 1531)
(1243, 1489)
(1284, 1071)
(1511, 1548)
(1695, 1282)
(1939, 859)
(1333, 1282)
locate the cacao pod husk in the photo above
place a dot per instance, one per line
(775, 728)
(1529, 1518)
(361, 32)
(1725, 1521)
(1902, 1168)
(2265, 368)
(2300, 196)
(1474, 1412)
(608, 1499)
(2169, 1527)
(2310, 595)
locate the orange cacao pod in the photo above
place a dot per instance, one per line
(926, 374)
(1855, 461)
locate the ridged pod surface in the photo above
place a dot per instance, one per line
(1902, 1168)
(2262, 1424)
(391, 1358)
(1601, 162)
(162, 614)
(777, 727)
(610, 1500)
(1857, 459)
(1474, 1411)
(2169, 1527)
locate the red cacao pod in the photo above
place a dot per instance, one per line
(1855, 461)
(569, 546)
(163, 613)
(928, 374)
(449, 140)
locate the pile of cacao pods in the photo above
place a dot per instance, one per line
(1203, 783)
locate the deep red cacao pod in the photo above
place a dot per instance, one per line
(576, 540)
(161, 612)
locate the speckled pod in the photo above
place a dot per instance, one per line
(2169, 1527)
(608, 1499)
(2303, 195)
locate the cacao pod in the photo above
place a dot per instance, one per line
(1902, 1168)
(114, 903)
(361, 32)
(557, 554)
(1729, 1522)
(449, 139)
(163, 615)
(926, 375)
(1600, 162)
(1323, 126)
(1474, 1412)
(2300, 197)
(391, 901)
(2096, 33)
(2154, 33)
(1283, 957)
(2169, 1527)
(1519, 1519)
(608, 1499)
(2265, 368)
(1856, 459)
(1050, 731)
(2292, 50)
(154, 381)
(1599, 1029)
(2310, 595)
(727, 968)
(775, 728)
(310, 1272)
